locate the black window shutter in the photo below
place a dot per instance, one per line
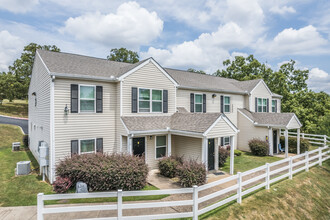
(165, 101)
(74, 147)
(256, 104)
(222, 141)
(134, 100)
(192, 102)
(99, 99)
(267, 105)
(221, 103)
(275, 105)
(204, 103)
(99, 145)
(74, 98)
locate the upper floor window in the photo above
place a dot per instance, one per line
(198, 103)
(87, 98)
(273, 105)
(226, 104)
(262, 105)
(150, 100)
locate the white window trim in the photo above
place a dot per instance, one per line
(150, 101)
(160, 146)
(274, 100)
(87, 99)
(87, 139)
(198, 103)
(224, 104)
(224, 144)
(262, 104)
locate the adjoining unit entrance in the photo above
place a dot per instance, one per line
(211, 154)
(139, 146)
(275, 145)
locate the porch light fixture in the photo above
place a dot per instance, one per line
(214, 95)
(66, 110)
(150, 137)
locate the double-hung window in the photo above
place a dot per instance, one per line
(198, 103)
(226, 141)
(87, 98)
(150, 100)
(227, 104)
(273, 105)
(262, 105)
(87, 146)
(160, 146)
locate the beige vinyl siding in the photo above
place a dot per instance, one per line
(293, 124)
(124, 143)
(221, 129)
(77, 126)
(120, 129)
(149, 77)
(39, 116)
(261, 91)
(246, 102)
(188, 147)
(212, 104)
(248, 131)
(150, 155)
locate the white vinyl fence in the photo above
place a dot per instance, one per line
(204, 198)
(314, 139)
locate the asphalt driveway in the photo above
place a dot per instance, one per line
(23, 123)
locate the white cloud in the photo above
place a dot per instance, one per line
(282, 10)
(10, 47)
(18, 6)
(319, 80)
(131, 26)
(303, 41)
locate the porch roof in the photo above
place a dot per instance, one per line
(279, 120)
(179, 121)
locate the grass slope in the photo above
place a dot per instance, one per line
(17, 108)
(306, 196)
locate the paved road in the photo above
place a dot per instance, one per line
(23, 123)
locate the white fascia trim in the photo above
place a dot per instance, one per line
(293, 117)
(188, 133)
(163, 71)
(124, 125)
(230, 124)
(75, 76)
(211, 90)
(212, 125)
(43, 62)
(134, 69)
(166, 131)
(269, 125)
(277, 96)
(246, 116)
(216, 122)
(262, 81)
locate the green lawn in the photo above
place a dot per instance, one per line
(247, 161)
(306, 196)
(23, 190)
(17, 108)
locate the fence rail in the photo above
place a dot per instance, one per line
(315, 139)
(199, 204)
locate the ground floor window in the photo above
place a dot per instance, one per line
(87, 146)
(160, 146)
(226, 141)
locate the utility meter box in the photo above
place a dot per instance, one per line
(23, 168)
(43, 154)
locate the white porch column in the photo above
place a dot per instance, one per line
(216, 154)
(298, 141)
(232, 148)
(169, 144)
(278, 139)
(129, 144)
(270, 141)
(286, 134)
(204, 152)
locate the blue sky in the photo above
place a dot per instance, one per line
(178, 34)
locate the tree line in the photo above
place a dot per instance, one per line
(312, 108)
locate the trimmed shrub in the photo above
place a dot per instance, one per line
(304, 144)
(237, 153)
(258, 147)
(62, 184)
(104, 172)
(168, 166)
(192, 173)
(223, 154)
(25, 140)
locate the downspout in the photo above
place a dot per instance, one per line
(52, 132)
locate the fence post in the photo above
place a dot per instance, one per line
(290, 168)
(40, 206)
(303, 135)
(307, 159)
(195, 202)
(324, 140)
(120, 203)
(320, 156)
(239, 187)
(267, 175)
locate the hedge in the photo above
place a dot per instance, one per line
(168, 166)
(192, 173)
(223, 154)
(304, 144)
(103, 172)
(258, 147)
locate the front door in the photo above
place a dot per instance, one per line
(211, 154)
(275, 142)
(139, 146)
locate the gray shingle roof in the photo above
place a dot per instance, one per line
(247, 85)
(275, 119)
(193, 122)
